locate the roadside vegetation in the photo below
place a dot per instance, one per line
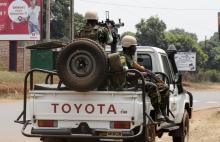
(12, 84)
(202, 75)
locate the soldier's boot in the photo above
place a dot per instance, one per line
(163, 110)
(159, 115)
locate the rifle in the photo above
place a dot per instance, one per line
(153, 76)
(113, 28)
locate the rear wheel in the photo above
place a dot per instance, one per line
(149, 136)
(183, 130)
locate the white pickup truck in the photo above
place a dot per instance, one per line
(59, 115)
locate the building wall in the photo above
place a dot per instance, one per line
(4, 55)
(23, 57)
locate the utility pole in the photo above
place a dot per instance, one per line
(13, 55)
(72, 19)
(219, 25)
(205, 43)
(47, 20)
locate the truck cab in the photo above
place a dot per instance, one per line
(57, 112)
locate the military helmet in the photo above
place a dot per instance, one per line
(91, 15)
(127, 41)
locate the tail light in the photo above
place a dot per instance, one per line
(120, 125)
(47, 123)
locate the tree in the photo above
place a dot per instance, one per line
(215, 37)
(79, 23)
(184, 42)
(212, 48)
(128, 33)
(182, 31)
(151, 32)
(61, 20)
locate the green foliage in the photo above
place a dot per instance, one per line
(60, 23)
(182, 31)
(205, 76)
(60, 9)
(212, 48)
(79, 22)
(186, 42)
(61, 20)
(151, 32)
(128, 33)
(215, 37)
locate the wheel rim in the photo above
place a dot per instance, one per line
(81, 63)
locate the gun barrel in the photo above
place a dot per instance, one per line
(119, 25)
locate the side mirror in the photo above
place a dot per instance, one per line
(178, 78)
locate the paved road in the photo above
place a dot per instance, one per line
(206, 99)
(10, 132)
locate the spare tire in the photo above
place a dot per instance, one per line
(82, 65)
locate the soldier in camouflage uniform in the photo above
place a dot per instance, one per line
(165, 95)
(94, 31)
(129, 48)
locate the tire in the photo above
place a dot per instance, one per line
(138, 139)
(82, 65)
(183, 130)
(149, 135)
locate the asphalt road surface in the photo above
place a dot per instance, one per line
(206, 99)
(11, 132)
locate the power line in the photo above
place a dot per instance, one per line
(148, 7)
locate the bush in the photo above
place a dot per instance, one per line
(204, 76)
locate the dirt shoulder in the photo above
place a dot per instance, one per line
(204, 127)
(201, 86)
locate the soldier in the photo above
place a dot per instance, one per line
(94, 31)
(129, 48)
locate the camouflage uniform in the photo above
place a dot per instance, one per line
(165, 95)
(150, 87)
(129, 44)
(96, 33)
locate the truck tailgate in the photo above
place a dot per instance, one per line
(88, 106)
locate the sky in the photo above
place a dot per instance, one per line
(195, 16)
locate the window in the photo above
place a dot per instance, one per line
(145, 60)
(167, 67)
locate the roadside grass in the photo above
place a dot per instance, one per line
(12, 83)
(15, 77)
(11, 96)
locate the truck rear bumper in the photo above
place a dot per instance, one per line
(68, 133)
